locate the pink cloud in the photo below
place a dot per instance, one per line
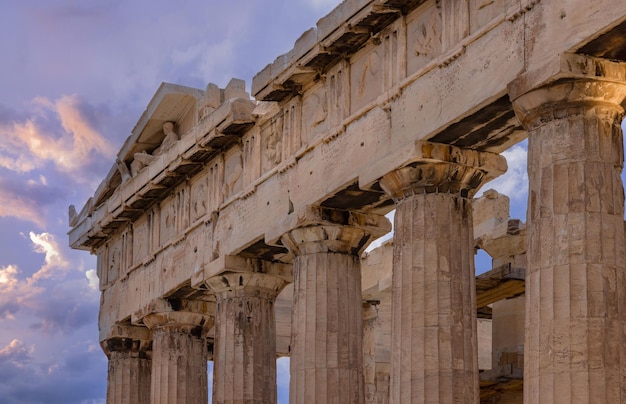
(28, 145)
(54, 262)
(16, 293)
(16, 352)
(19, 206)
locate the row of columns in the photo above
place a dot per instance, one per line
(575, 345)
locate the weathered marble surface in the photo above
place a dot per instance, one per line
(430, 91)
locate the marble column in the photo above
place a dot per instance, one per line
(179, 354)
(327, 321)
(245, 332)
(129, 353)
(575, 345)
(434, 357)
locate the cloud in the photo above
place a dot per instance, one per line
(15, 357)
(63, 312)
(13, 292)
(57, 306)
(92, 279)
(45, 243)
(16, 352)
(8, 285)
(514, 183)
(65, 376)
(57, 132)
(26, 199)
(8, 276)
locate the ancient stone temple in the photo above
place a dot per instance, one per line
(232, 226)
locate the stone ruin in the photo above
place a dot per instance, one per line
(233, 229)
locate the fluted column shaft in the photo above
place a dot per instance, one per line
(179, 357)
(434, 338)
(327, 322)
(129, 371)
(245, 337)
(575, 283)
(434, 352)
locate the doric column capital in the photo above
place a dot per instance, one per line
(178, 315)
(239, 284)
(321, 229)
(232, 275)
(442, 168)
(568, 85)
(570, 97)
(136, 340)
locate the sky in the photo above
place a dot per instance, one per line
(75, 76)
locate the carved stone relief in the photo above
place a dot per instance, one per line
(271, 144)
(174, 214)
(423, 36)
(114, 258)
(379, 67)
(233, 169)
(199, 197)
(140, 241)
(143, 159)
(366, 77)
(171, 137)
(314, 119)
(168, 219)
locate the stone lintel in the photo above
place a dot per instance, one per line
(565, 67)
(427, 154)
(317, 228)
(187, 315)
